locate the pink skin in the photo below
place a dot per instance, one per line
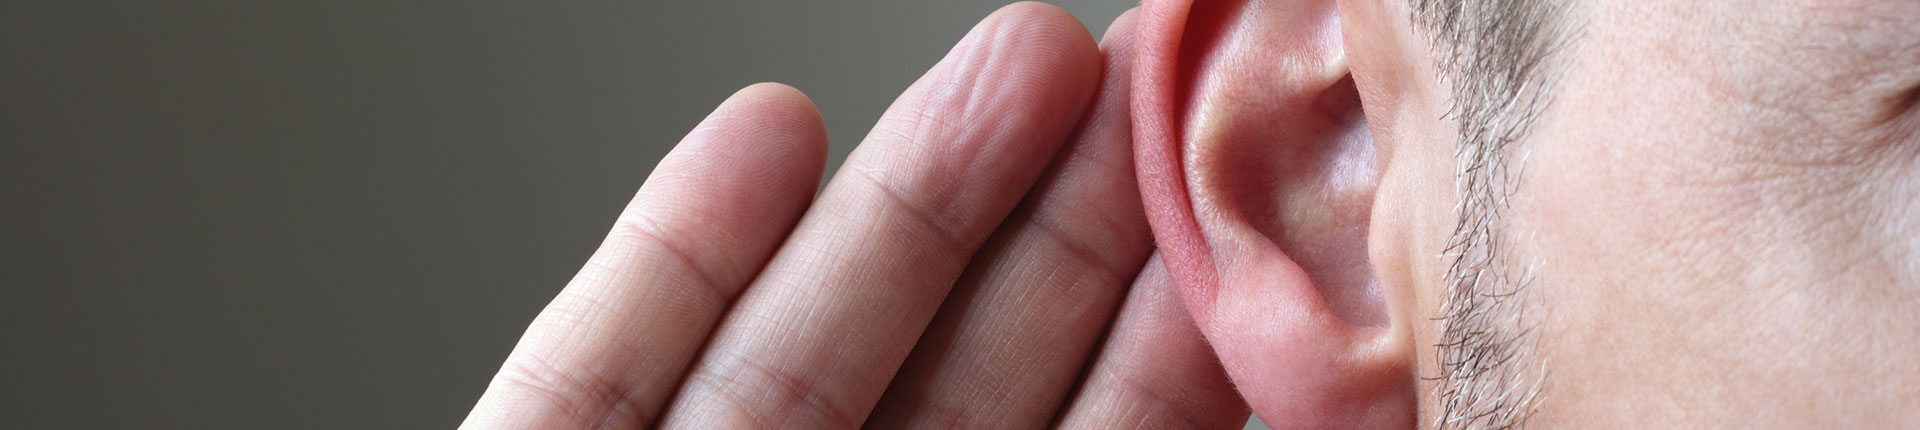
(1715, 228)
(1257, 171)
(976, 263)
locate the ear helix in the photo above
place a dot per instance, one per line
(1258, 172)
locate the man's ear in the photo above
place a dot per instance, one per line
(1258, 174)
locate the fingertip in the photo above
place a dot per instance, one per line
(1121, 29)
(769, 117)
(1043, 13)
(1047, 32)
(764, 147)
(775, 95)
(1027, 66)
(774, 88)
(790, 106)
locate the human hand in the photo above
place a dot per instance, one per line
(969, 266)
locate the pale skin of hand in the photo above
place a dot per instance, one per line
(980, 261)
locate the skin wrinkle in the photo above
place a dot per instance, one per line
(1495, 54)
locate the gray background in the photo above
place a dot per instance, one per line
(330, 214)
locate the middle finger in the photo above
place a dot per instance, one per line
(815, 339)
(1016, 331)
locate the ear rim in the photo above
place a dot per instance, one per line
(1379, 360)
(1157, 165)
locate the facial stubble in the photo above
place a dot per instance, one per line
(1495, 56)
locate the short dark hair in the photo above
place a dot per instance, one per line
(1496, 57)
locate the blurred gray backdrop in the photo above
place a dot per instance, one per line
(341, 214)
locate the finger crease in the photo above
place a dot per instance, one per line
(643, 228)
(951, 240)
(589, 399)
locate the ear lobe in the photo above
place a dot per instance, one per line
(1258, 171)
